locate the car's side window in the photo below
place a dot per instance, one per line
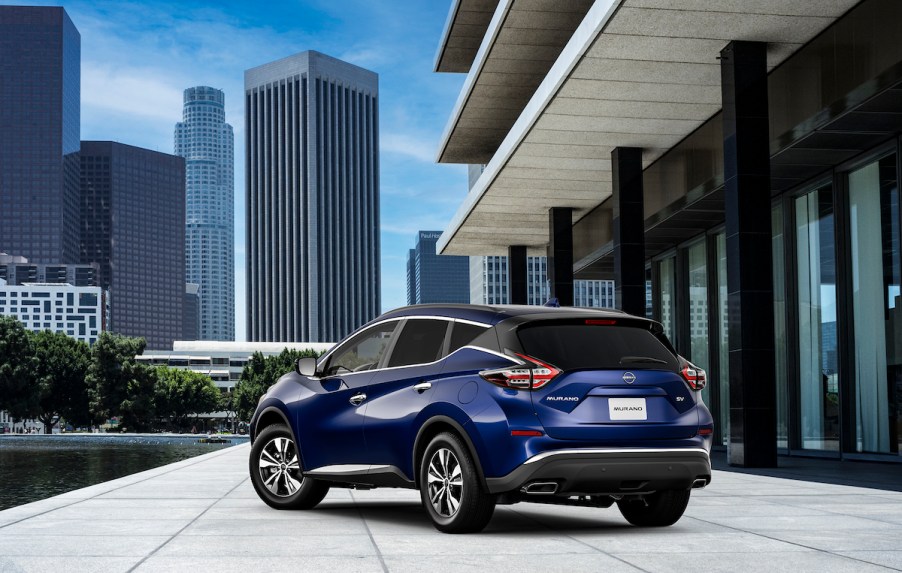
(363, 352)
(420, 341)
(463, 334)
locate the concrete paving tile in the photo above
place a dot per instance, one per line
(875, 539)
(886, 558)
(50, 524)
(35, 508)
(62, 545)
(589, 520)
(666, 540)
(266, 546)
(68, 564)
(515, 543)
(299, 562)
(760, 509)
(833, 501)
(795, 523)
(275, 527)
(79, 511)
(772, 562)
(550, 563)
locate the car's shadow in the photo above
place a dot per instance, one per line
(521, 518)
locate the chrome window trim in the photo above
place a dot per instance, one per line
(326, 356)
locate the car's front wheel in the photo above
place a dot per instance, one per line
(276, 471)
(450, 487)
(659, 509)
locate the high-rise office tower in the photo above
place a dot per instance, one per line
(312, 152)
(40, 95)
(207, 143)
(133, 225)
(436, 278)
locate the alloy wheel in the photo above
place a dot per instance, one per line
(279, 468)
(445, 483)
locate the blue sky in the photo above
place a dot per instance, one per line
(138, 57)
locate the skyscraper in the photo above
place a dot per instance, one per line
(133, 225)
(40, 95)
(312, 152)
(436, 278)
(207, 143)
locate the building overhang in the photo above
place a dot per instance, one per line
(518, 47)
(635, 73)
(464, 29)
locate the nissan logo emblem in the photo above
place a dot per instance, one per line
(629, 377)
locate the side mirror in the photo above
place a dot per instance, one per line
(306, 366)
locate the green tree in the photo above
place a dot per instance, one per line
(60, 370)
(138, 408)
(183, 393)
(114, 377)
(18, 392)
(259, 374)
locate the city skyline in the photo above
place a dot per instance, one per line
(133, 78)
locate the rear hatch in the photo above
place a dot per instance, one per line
(619, 382)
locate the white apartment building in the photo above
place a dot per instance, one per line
(488, 284)
(81, 312)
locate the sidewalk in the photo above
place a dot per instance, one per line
(203, 514)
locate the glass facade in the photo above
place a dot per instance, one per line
(436, 278)
(133, 207)
(816, 303)
(207, 143)
(698, 309)
(875, 293)
(40, 68)
(723, 340)
(312, 198)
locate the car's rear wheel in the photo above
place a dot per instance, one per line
(659, 509)
(276, 471)
(450, 487)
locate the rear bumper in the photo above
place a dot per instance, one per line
(609, 471)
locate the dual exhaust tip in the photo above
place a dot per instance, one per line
(540, 488)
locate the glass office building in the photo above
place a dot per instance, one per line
(436, 278)
(768, 177)
(133, 226)
(312, 168)
(207, 143)
(40, 95)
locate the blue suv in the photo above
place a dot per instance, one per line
(482, 405)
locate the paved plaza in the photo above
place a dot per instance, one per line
(202, 514)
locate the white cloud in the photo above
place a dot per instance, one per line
(408, 145)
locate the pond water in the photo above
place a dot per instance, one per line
(40, 466)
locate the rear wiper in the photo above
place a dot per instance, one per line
(641, 359)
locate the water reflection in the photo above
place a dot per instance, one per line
(38, 467)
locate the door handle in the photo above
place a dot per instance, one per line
(357, 399)
(422, 387)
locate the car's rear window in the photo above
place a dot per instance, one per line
(583, 346)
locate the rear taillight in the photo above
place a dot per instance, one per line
(694, 376)
(530, 375)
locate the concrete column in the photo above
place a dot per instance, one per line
(629, 230)
(747, 205)
(560, 254)
(516, 275)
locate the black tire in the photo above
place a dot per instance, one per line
(276, 471)
(659, 509)
(464, 505)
